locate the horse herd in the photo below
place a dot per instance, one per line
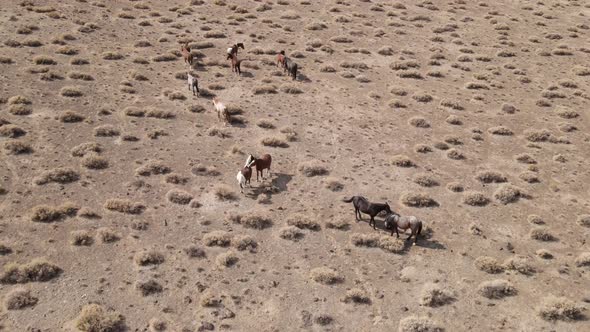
(393, 221)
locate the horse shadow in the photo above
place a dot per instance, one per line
(303, 78)
(247, 74)
(278, 184)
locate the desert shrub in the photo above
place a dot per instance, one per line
(402, 161)
(275, 142)
(425, 180)
(160, 114)
(82, 149)
(525, 159)
(583, 220)
(217, 239)
(391, 244)
(496, 289)
(19, 298)
(488, 264)
(95, 162)
(356, 295)
(224, 193)
(253, 220)
(418, 200)
(312, 168)
(490, 177)
(112, 56)
(290, 233)
(583, 259)
(106, 235)
(219, 132)
(433, 295)
(265, 124)
(365, 240)
(70, 117)
(554, 308)
(178, 196)
(37, 270)
(530, 177)
(455, 187)
(153, 167)
(61, 175)
(419, 122)
(20, 110)
(339, 224)
(148, 257)
(422, 148)
(303, 222)
(94, 318)
(333, 184)
(81, 238)
(500, 130)
(541, 234)
(44, 60)
(244, 242)
(46, 214)
(208, 299)
(194, 251)
(418, 324)
(17, 147)
(227, 259)
(507, 194)
(202, 170)
(148, 287)
(326, 276)
(106, 131)
(455, 154)
(124, 206)
(519, 264)
(543, 253)
(71, 91)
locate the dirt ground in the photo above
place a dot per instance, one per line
(120, 208)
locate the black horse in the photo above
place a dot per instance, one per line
(290, 67)
(363, 205)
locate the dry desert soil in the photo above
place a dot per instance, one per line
(119, 204)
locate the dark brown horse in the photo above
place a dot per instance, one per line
(186, 53)
(281, 59)
(235, 63)
(261, 164)
(394, 221)
(363, 205)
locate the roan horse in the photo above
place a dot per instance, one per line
(394, 221)
(261, 164)
(244, 175)
(186, 53)
(361, 204)
(193, 83)
(290, 67)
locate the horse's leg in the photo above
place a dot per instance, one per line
(396, 231)
(374, 223)
(356, 214)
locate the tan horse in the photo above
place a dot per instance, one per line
(222, 113)
(394, 221)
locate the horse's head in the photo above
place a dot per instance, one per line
(282, 52)
(240, 45)
(387, 208)
(215, 100)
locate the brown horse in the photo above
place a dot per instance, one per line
(261, 164)
(235, 63)
(186, 53)
(281, 59)
(394, 221)
(361, 204)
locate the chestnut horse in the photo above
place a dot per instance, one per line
(281, 59)
(235, 63)
(186, 53)
(394, 221)
(261, 164)
(363, 205)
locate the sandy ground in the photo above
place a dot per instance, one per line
(472, 116)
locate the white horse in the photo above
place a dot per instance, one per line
(245, 174)
(222, 113)
(193, 84)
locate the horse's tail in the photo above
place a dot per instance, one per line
(345, 200)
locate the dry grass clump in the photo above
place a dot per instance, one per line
(106, 131)
(92, 161)
(264, 89)
(488, 264)
(455, 187)
(219, 132)
(275, 142)
(583, 259)
(418, 200)
(19, 100)
(148, 257)
(303, 222)
(265, 124)
(326, 276)
(365, 240)
(418, 324)
(334, 185)
(422, 97)
(81, 238)
(124, 206)
(153, 167)
(402, 161)
(312, 168)
(541, 234)
(290, 233)
(217, 239)
(82, 149)
(71, 117)
(583, 220)
(290, 89)
(454, 120)
(507, 194)
(391, 244)
(519, 264)
(530, 177)
(227, 259)
(45, 213)
(356, 295)
(244, 242)
(253, 220)
(554, 308)
(157, 325)
(71, 91)
(160, 114)
(20, 110)
(455, 154)
(176, 179)
(339, 224)
(490, 177)
(425, 180)
(535, 219)
(496, 289)
(178, 196)
(195, 251)
(94, 318)
(17, 147)
(419, 122)
(58, 175)
(202, 170)
(433, 295)
(536, 136)
(422, 148)
(501, 131)
(19, 298)
(37, 270)
(107, 235)
(44, 60)
(545, 254)
(525, 159)
(208, 299)
(224, 193)
(148, 287)
(11, 131)
(112, 56)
